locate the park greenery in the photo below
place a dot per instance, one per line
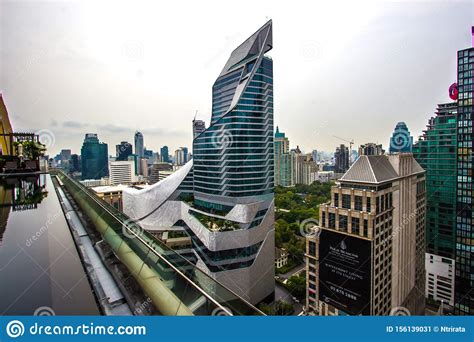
(296, 285)
(293, 206)
(280, 308)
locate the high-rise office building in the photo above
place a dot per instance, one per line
(283, 160)
(139, 145)
(139, 150)
(401, 140)
(199, 126)
(371, 149)
(123, 150)
(341, 159)
(185, 154)
(94, 158)
(165, 157)
(367, 255)
(464, 283)
(122, 172)
(230, 217)
(435, 151)
(75, 163)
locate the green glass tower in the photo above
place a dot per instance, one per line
(436, 153)
(94, 156)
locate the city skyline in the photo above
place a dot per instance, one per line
(112, 71)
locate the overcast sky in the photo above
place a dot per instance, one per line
(349, 69)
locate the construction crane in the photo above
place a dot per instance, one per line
(351, 142)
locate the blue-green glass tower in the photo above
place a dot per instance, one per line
(94, 158)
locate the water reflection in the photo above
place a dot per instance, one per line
(39, 263)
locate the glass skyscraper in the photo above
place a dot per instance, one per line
(401, 140)
(94, 158)
(223, 198)
(464, 293)
(139, 145)
(233, 157)
(123, 150)
(436, 153)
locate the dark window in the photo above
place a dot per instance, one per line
(355, 225)
(358, 203)
(343, 222)
(368, 204)
(332, 220)
(346, 201)
(336, 200)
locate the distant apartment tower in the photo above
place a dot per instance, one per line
(366, 257)
(164, 153)
(123, 150)
(436, 153)
(283, 160)
(341, 159)
(371, 149)
(199, 126)
(122, 172)
(464, 294)
(179, 157)
(401, 140)
(94, 158)
(304, 168)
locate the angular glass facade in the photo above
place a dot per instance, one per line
(233, 158)
(464, 294)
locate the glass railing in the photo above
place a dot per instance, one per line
(197, 291)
